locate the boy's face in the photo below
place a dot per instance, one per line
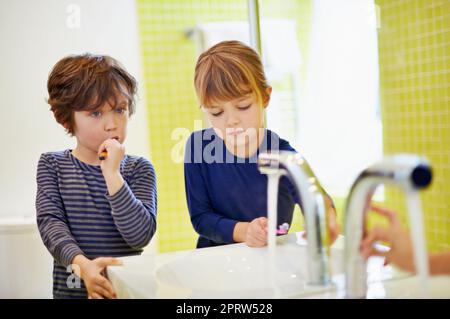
(238, 121)
(92, 128)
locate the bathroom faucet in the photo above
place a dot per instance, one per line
(313, 206)
(411, 173)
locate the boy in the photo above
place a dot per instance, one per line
(90, 208)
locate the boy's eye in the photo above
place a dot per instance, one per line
(121, 110)
(96, 114)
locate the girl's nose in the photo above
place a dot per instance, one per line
(233, 120)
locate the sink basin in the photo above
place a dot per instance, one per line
(238, 271)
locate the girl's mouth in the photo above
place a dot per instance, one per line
(234, 132)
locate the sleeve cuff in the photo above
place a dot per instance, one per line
(225, 228)
(68, 253)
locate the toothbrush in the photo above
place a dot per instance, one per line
(283, 229)
(104, 154)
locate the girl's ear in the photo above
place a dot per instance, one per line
(267, 100)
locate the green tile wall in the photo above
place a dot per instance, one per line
(414, 56)
(168, 61)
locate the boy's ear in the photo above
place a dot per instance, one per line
(66, 127)
(267, 100)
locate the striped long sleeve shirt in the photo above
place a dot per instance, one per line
(75, 214)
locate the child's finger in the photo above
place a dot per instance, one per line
(103, 292)
(254, 242)
(262, 221)
(95, 295)
(371, 251)
(377, 234)
(108, 261)
(333, 235)
(389, 214)
(106, 285)
(261, 242)
(260, 235)
(369, 240)
(106, 145)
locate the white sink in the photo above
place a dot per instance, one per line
(238, 271)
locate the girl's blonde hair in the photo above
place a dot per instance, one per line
(227, 71)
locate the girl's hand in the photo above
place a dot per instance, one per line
(333, 226)
(256, 235)
(116, 151)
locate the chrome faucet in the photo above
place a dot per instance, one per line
(411, 173)
(313, 205)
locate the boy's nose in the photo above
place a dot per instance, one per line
(110, 124)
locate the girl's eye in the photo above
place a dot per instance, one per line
(244, 107)
(217, 114)
(96, 114)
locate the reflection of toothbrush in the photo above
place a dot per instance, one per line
(283, 229)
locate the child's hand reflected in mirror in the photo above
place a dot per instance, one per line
(401, 253)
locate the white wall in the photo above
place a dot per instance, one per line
(34, 35)
(339, 123)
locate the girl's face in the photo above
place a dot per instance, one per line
(238, 121)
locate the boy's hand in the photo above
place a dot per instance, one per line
(256, 235)
(116, 151)
(111, 164)
(92, 273)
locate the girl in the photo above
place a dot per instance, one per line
(226, 193)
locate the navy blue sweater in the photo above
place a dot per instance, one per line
(222, 189)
